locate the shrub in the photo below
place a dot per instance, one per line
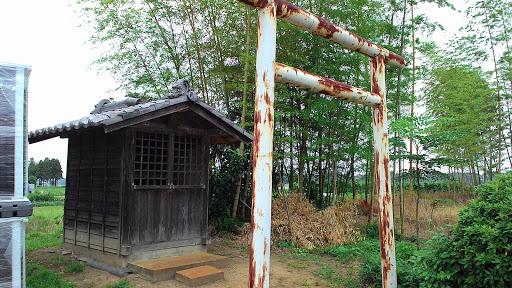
(48, 203)
(75, 267)
(228, 225)
(478, 252)
(40, 277)
(42, 197)
(371, 230)
(407, 275)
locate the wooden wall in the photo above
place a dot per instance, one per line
(92, 203)
(103, 211)
(164, 218)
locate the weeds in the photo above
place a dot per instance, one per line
(40, 277)
(44, 228)
(47, 196)
(56, 190)
(75, 267)
(39, 240)
(434, 211)
(121, 284)
(59, 260)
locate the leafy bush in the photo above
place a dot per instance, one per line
(223, 179)
(42, 196)
(407, 275)
(371, 230)
(478, 252)
(227, 225)
(440, 186)
(75, 267)
(48, 203)
(40, 277)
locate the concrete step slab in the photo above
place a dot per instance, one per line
(166, 268)
(200, 275)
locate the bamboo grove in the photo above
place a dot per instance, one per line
(449, 115)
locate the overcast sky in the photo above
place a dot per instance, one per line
(62, 85)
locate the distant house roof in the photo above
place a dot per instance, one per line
(131, 111)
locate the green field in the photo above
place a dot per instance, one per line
(44, 227)
(55, 190)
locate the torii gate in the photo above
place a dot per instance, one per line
(268, 71)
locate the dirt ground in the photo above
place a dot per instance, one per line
(288, 268)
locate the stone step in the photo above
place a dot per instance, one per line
(200, 275)
(166, 268)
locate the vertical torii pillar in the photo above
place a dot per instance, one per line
(381, 151)
(263, 146)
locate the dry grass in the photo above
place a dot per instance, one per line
(312, 228)
(436, 210)
(336, 225)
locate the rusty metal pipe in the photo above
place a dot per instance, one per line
(381, 150)
(321, 27)
(308, 81)
(262, 151)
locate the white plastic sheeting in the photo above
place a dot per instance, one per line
(13, 131)
(12, 252)
(13, 173)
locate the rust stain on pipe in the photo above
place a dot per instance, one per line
(381, 151)
(263, 124)
(321, 27)
(263, 146)
(308, 81)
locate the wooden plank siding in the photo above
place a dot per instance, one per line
(91, 208)
(165, 217)
(104, 211)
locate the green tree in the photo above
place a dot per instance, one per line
(321, 144)
(46, 171)
(477, 252)
(465, 112)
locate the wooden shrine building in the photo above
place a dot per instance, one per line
(137, 176)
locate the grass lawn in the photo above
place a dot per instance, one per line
(56, 190)
(51, 212)
(44, 227)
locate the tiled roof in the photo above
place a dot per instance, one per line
(122, 114)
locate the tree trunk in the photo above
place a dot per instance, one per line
(320, 170)
(334, 183)
(221, 58)
(478, 173)
(172, 49)
(247, 184)
(398, 116)
(290, 176)
(417, 206)
(372, 193)
(497, 91)
(244, 109)
(303, 148)
(310, 177)
(190, 17)
(412, 97)
(366, 176)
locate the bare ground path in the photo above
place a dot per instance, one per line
(289, 268)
